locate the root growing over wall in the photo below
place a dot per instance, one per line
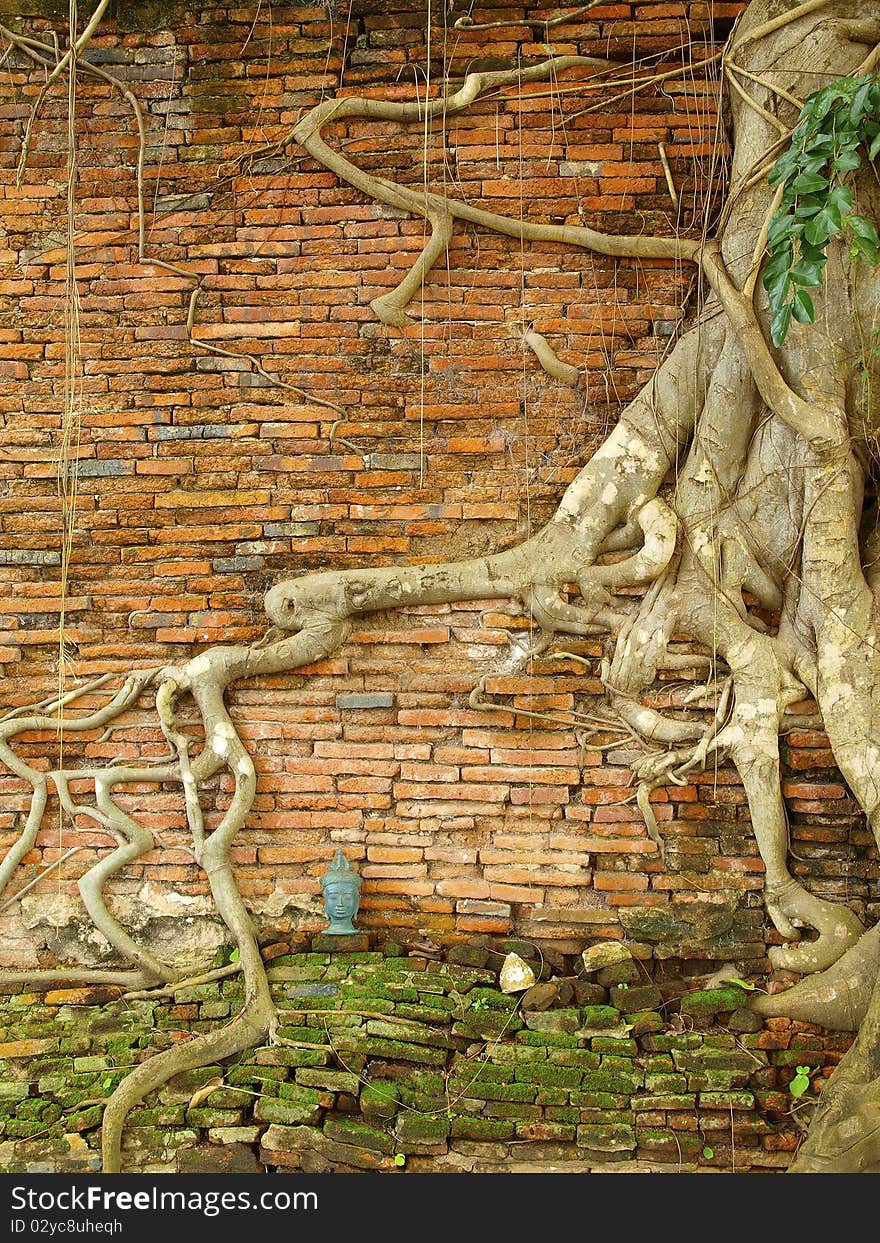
(770, 452)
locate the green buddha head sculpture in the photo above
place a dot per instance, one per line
(342, 896)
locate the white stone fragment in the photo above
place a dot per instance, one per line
(604, 954)
(516, 975)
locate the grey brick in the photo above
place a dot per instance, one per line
(378, 699)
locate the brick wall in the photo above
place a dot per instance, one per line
(201, 483)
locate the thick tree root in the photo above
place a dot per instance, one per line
(838, 927)
(836, 998)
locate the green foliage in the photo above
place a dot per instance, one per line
(744, 984)
(708, 1152)
(399, 1158)
(801, 1081)
(837, 125)
(480, 1004)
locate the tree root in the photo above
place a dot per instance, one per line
(837, 998)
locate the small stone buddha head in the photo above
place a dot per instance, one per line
(341, 886)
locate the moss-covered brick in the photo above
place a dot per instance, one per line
(214, 1009)
(511, 1109)
(670, 1041)
(204, 1116)
(610, 1061)
(90, 1063)
(286, 1113)
(508, 1054)
(665, 1082)
(412, 1033)
(482, 1128)
(562, 1113)
(301, 973)
(493, 998)
(85, 1119)
(657, 1063)
(305, 1035)
(430, 1082)
(609, 1081)
(379, 1100)
(644, 1022)
(665, 1101)
(635, 997)
(32, 1107)
(595, 1098)
(430, 985)
(229, 1098)
(18, 1091)
(717, 1080)
(485, 1072)
(197, 992)
(622, 1046)
(726, 1100)
(19, 1128)
(32, 1030)
(305, 1096)
(330, 1080)
(398, 1050)
(416, 1127)
(378, 990)
(487, 1025)
(599, 1017)
(606, 1117)
(610, 1137)
(671, 1145)
(551, 1076)
(715, 1059)
(351, 1131)
(720, 1040)
(477, 1090)
(157, 1116)
(546, 1132)
(422, 1013)
(705, 1003)
(255, 1074)
(548, 1040)
(553, 1096)
(583, 1058)
(463, 979)
(293, 1057)
(797, 1057)
(564, 1021)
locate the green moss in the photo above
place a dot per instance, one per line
(460, 1086)
(607, 1081)
(551, 1076)
(548, 1040)
(482, 1128)
(600, 1016)
(412, 1127)
(379, 1100)
(351, 1131)
(583, 1058)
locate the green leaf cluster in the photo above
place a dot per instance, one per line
(837, 126)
